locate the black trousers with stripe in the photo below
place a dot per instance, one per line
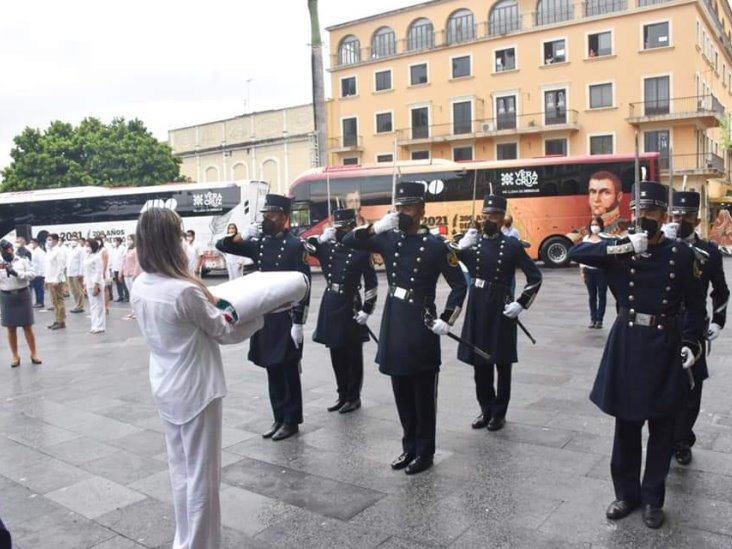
(416, 401)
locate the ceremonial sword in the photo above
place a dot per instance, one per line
(429, 320)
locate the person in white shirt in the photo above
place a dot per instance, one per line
(118, 254)
(94, 284)
(234, 264)
(508, 229)
(194, 253)
(183, 330)
(55, 278)
(74, 259)
(16, 302)
(106, 251)
(38, 257)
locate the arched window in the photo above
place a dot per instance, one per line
(421, 35)
(239, 171)
(349, 51)
(211, 174)
(460, 27)
(504, 17)
(600, 7)
(553, 11)
(383, 43)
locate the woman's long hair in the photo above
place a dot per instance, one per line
(159, 247)
(598, 220)
(93, 245)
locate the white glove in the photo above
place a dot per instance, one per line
(361, 318)
(387, 223)
(469, 240)
(639, 242)
(328, 234)
(250, 231)
(713, 331)
(297, 335)
(513, 309)
(440, 327)
(671, 230)
(687, 357)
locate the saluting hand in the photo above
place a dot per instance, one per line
(671, 230)
(639, 242)
(469, 240)
(329, 234)
(250, 231)
(389, 222)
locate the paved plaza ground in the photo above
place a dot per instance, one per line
(83, 464)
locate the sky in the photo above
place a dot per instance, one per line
(169, 63)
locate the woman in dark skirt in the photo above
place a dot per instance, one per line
(16, 305)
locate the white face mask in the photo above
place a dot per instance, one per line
(74, 244)
(595, 229)
(49, 243)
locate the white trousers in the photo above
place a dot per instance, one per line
(128, 282)
(234, 270)
(194, 461)
(96, 308)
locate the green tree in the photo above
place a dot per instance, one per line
(123, 153)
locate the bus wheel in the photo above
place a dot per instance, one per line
(555, 252)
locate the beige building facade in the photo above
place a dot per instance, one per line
(501, 79)
(273, 146)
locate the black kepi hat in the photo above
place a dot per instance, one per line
(652, 195)
(494, 203)
(685, 202)
(344, 217)
(409, 192)
(276, 203)
(5, 244)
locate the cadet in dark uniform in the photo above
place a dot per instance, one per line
(342, 318)
(278, 346)
(641, 377)
(409, 343)
(492, 260)
(685, 216)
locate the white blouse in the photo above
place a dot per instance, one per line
(183, 331)
(93, 271)
(24, 271)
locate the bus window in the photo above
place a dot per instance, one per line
(300, 218)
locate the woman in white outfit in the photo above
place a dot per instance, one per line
(94, 284)
(183, 330)
(234, 264)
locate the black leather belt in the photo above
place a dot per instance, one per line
(488, 285)
(345, 289)
(410, 295)
(636, 318)
(18, 291)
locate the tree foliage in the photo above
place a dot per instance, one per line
(123, 153)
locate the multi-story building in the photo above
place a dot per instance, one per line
(482, 80)
(273, 145)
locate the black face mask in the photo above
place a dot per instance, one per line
(269, 227)
(686, 229)
(650, 226)
(405, 222)
(340, 233)
(7, 257)
(490, 228)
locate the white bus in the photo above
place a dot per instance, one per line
(206, 208)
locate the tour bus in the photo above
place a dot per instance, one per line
(551, 199)
(206, 208)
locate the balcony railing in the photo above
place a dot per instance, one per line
(700, 163)
(593, 8)
(687, 107)
(345, 143)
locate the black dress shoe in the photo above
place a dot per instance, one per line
(402, 461)
(598, 324)
(336, 405)
(480, 422)
(272, 430)
(683, 455)
(350, 406)
(592, 325)
(620, 508)
(653, 517)
(421, 463)
(286, 431)
(57, 326)
(496, 423)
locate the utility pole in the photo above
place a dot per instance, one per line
(316, 62)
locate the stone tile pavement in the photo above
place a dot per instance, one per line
(83, 464)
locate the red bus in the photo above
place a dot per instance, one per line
(551, 199)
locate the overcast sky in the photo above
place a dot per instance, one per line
(169, 63)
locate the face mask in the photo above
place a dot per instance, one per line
(686, 229)
(269, 227)
(650, 226)
(49, 243)
(232, 232)
(405, 222)
(490, 228)
(595, 229)
(189, 238)
(340, 233)
(7, 257)
(88, 249)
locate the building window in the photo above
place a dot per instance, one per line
(506, 112)
(555, 147)
(418, 74)
(601, 95)
(383, 80)
(599, 44)
(383, 43)
(384, 122)
(655, 36)
(554, 11)
(555, 107)
(421, 35)
(505, 59)
(462, 154)
(461, 66)
(460, 27)
(385, 158)
(507, 151)
(348, 86)
(350, 161)
(658, 141)
(462, 118)
(349, 51)
(555, 52)
(657, 95)
(420, 155)
(504, 18)
(350, 132)
(601, 7)
(420, 123)
(601, 144)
